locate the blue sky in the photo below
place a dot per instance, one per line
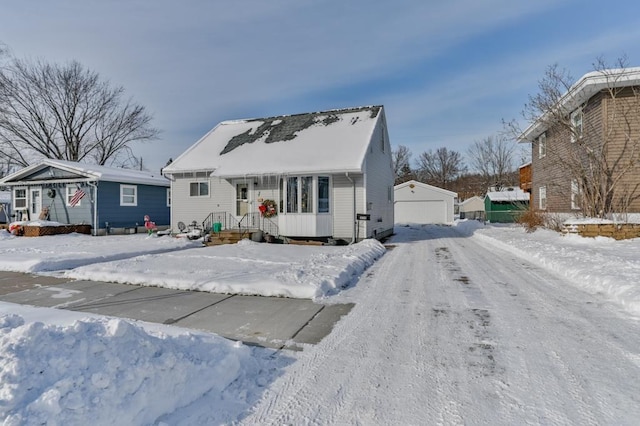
(446, 72)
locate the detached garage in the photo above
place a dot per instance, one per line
(416, 202)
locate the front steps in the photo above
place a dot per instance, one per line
(228, 236)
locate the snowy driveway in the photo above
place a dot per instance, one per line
(449, 329)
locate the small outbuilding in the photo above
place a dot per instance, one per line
(505, 206)
(472, 208)
(417, 202)
(71, 193)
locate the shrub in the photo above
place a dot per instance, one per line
(531, 220)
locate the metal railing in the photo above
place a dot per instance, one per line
(226, 221)
(248, 222)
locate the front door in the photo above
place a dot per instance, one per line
(35, 202)
(242, 199)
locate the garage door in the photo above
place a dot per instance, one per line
(421, 212)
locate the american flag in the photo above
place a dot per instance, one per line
(77, 196)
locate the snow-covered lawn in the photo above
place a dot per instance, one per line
(62, 367)
(59, 252)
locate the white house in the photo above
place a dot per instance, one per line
(417, 202)
(315, 175)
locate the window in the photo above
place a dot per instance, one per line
(199, 189)
(576, 195)
(576, 125)
(292, 195)
(323, 194)
(382, 141)
(69, 199)
(306, 192)
(542, 145)
(128, 195)
(168, 197)
(19, 199)
(543, 197)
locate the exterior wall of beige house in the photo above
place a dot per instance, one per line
(602, 120)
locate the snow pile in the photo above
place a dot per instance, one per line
(250, 268)
(327, 273)
(107, 370)
(57, 252)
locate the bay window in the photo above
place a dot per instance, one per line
(301, 193)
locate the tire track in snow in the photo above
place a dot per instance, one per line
(447, 330)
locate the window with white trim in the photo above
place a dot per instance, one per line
(19, 198)
(70, 191)
(542, 196)
(168, 197)
(199, 189)
(306, 194)
(299, 193)
(576, 195)
(292, 194)
(128, 195)
(542, 145)
(576, 125)
(323, 194)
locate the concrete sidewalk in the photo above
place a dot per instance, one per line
(265, 321)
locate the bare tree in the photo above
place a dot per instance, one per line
(602, 159)
(401, 164)
(440, 167)
(492, 157)
(65, 112)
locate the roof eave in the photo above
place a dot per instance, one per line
(580, 92)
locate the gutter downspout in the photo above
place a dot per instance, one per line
(353, 184)
(95, 208)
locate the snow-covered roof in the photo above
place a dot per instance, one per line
(327, 141)
(508, 195)
(92, 172)
(587, 86)
(426, 186)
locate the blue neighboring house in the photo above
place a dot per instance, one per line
(5, 206)
(109, 199)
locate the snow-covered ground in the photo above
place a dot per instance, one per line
(398, 357)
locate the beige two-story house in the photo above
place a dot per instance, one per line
(586, 147)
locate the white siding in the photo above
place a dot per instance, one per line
(266, 188)
(342, 197)
(186, 209)
(379, 184)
